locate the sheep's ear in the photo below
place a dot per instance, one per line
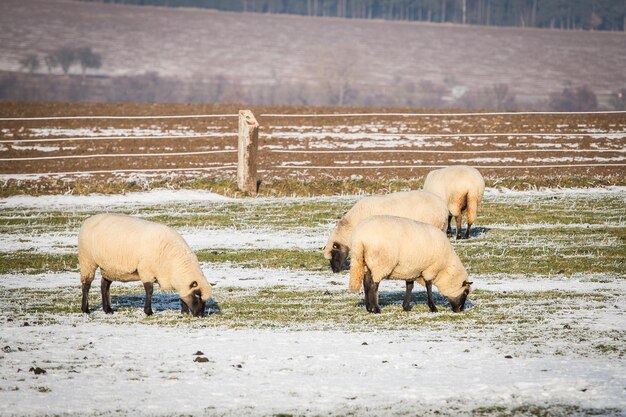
(194, 284)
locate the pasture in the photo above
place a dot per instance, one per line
(543, 335)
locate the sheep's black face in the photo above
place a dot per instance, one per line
(194, 304)
(339, 254)
(458, 303)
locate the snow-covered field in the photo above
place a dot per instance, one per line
(544, 332)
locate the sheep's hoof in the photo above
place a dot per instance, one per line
(433, 309)
(148, 312)
(407, 307)
(108, 311)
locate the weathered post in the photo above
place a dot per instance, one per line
(247, 152)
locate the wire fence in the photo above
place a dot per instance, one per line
(614, 144)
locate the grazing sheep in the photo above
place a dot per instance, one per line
(389, 247)
(462, 188)
(130, 249)
(417, 205)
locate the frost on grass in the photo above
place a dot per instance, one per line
(542, 335)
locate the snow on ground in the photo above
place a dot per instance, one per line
(155, 197)
(205, 238)
(146, 370)
(98, 366)
(311, 238)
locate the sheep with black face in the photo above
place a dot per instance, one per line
(419, 205)
(389, 247)
(126, 249)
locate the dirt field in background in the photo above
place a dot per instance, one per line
(390, 140)
(186, 43)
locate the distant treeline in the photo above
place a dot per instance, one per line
(561, 14)
(152, 88)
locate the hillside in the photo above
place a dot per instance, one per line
(338, 58)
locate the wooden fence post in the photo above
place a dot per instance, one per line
(247, 152)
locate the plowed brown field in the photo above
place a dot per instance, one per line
(381, 146)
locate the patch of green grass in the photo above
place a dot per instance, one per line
(286, 307)
(267, 258)
(555, 410)
(545, 251)
(279, 187)
(35, 262)
(554, 210)
(537, 251)
(324, 212)
(18, 222)
(242, 215)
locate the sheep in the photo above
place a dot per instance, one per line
(390, 247)
(417, 205)
(126, 249)
(462, 188)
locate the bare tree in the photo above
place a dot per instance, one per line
(618, 99)
(30, 63)
(88, 59)
(570, 99)
(51, 62)
(66, 57)
(502, 97)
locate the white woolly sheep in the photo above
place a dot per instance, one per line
(389, 247)
(126, 249)
(417, 205)
(462, 188)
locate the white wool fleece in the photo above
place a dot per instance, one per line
(418, 205)
(131, 249)
(402, 249)
(459, 186)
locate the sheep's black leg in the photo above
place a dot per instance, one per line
(147, 307)
(459, 220)
(406, 305)
(105, 286)
(467, 232)
(367, 283)
(449, 231)
(84, 306)
(184, 308)
(371, 290)
(429, 292)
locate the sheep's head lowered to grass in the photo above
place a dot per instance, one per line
(194, 301)
(458, 302)
(338, 246)
(186, 277)
(337, 254)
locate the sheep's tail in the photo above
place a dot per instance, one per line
(357, 266)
